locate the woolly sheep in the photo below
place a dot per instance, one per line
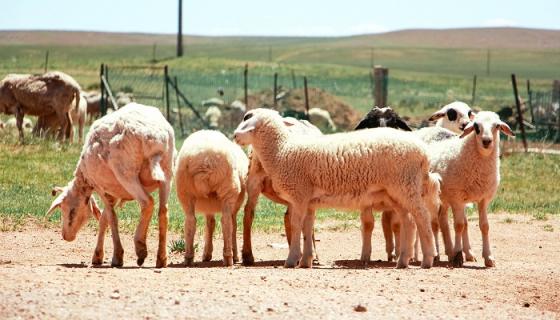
(127, 155)
(210, 176)
(463, 183)
(11, 124)
(366, 169)
(322, 119)
(212, 116)
(454, 116)
(49, 123)
(259, 182)
(382, 117)
(52, 92)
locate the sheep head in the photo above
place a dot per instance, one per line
(486, 125)
(382, 117)
(252, 121)
(76, 208)
(454, 116)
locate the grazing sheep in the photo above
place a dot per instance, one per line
(213, 116)
(470, 170)
(258, 181)
(454, 116)
(127, 155)
(49, 123)
(382, 117)
(52, 92)
(322, 119)
(11, 124)
(366, 169)
(210, 175)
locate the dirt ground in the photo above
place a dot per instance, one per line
(41, 276)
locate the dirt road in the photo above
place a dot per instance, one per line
(41, 276)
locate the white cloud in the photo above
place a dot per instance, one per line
(499, 22)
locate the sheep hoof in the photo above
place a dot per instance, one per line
(248, 259)
(116, 263)
(427, 262)
(228, 261)
(436, 258)
(489, 262)
(290, 264)
(97, 259)
(402, 263)
(161, 262)
(458, 260)
(391, 257)
(206, 257)
(235, 259)
(469, 256)
(306, 262)
(188, 261)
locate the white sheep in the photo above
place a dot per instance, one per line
(210, 175)
(258, 181)
(470, 170)
(127, 155)
(365, 170)
(50, 123)
(322, 119)
(11, 124)
(213, 115)
(454, 116)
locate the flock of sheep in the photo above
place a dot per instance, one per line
(412, 176)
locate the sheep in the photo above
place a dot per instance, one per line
(52, 92)
(210, 176)
(259, 182)
(454, 116)
(322, 119)
(212, 116)
(127, 155)
(382, 117)
(11, 124)
(213, 102)
(366, 169)
(469, 166)
(123, 98)
(49, 123)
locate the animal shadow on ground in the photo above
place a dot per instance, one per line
(103, 266)
(379, 264)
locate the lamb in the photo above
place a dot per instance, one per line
(470, 169)
(366, 169)
(212, 116)
(454, 116)
(52, 92)
(49, 123)
(258, 181)
(211, 175)
(127, 155)
(322, 119)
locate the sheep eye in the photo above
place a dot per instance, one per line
(452, 115)
(247, 116)
(476, 128)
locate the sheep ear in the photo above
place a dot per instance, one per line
(289, 121)
(56, 203)
(468, 129)
(438, 114)
(56, 190)
(403, 125)
(505, 129)
(94, 208)
(362, 124)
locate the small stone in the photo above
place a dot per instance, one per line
(285, 303)
(360, 308)
(269, 309)
(157, 271)
(540, 247)
(526, 304)
(463, 295)
(177, 302)
(263, 278)
(422, 290)
(115, 296)
(398, 278)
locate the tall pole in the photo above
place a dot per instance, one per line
(180, 32)
(519, 112)
(473, 90)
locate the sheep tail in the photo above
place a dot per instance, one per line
(77, 97)
(155, 168)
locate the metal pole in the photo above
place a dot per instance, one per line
(275, 89)
(166, 80)
(530, 95)
(180, 31)
(306, 97)
(178, 106)
(245, 75)
(519, 113)
(473, 90)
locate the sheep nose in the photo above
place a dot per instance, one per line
(486, 142)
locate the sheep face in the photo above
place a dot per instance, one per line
(244, 134)
(454, 116)
(382, 117)
(486, 125)
(76, 208)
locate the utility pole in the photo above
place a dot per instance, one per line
(180, 32)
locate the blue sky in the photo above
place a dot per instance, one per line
(283, 17)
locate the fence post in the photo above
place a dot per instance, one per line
(294, 84)
(306, 97)
(519, 113)
(473, 90)
(381, 76)
(46, 61)
(103, 103)
(166, 75)
(245, 75)
(275, 89)
(555, 98)
(530, 102)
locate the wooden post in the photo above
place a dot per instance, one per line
(519, 113)
(306, 97)
(46, 61)
(294, 84)
(178, 106)
(166, 82)
(555, 91)
(381, 77)
(103, 103)
(180, 31)
(245, 75)
(530, 102)
(473, 90)
(275, 89)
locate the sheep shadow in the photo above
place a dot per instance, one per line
(101, 266)
(380, 264)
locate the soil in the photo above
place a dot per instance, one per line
(41, 276)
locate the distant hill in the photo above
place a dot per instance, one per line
(521, 38)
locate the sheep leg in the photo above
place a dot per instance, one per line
(416, 245)
(406, 240)
(248, 216)
(396, 228)
(388, 234)
(118, 250)
(98, 253)
(164, 189)
(227, 215)
(81, 128)
(19, 121)
(422, 219)
(489, 260)
(366, 217)
(469, 256)
(308, 222)
(446, 234)
(188, 205)
(459, 223)
(297, 215)
(316, 259)
(208, 234)
(287, 225)
(435, 231)
(234, 235)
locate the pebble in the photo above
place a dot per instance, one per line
(115, 296)
(360, 308)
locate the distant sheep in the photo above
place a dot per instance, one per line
(49, 123)
(210, 176)
(127, 155)
(322, 119)
(382, 117)
(212, 116)
(454, 116)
